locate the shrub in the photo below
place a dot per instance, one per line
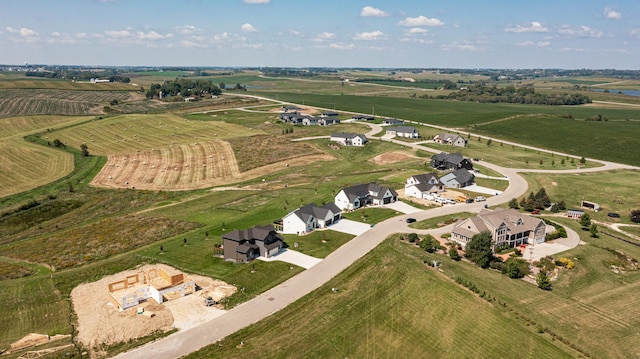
(412, 237)
(564, 262)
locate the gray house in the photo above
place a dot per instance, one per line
(248, 244)
(450, 139)
(403, 131)
(450, 161)
(357, 196)
(349, 139)
(458, 179)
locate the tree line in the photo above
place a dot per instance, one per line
(183, 87)
(509, 94)
(112, 76)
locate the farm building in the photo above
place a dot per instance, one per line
(307, 218)
(575, 213)
(154, 284)
(248, 244)
(590, 205)
(507, 226)
(357, 196)
(450, 139)
(349, 139)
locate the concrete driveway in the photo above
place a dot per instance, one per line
(402, 207)
(293, 257)
(349, 226)
(480, 189)
(556, 246)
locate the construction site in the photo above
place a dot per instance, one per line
(143, 301)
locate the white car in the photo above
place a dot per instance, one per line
(480, 199)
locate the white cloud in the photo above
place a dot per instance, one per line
(417, 30)
(222, 37)
(420, 21)
(572, 49)
(372, 11)
(295, 32)
(583, 31)
(533, 27)
(373, 35)
(26, 35)
(192, 44)
(188, 30)
(324, 36)
(118, 34)
(151, 35)
(462, 46)
(416, 40)
(635, 33)
(248, 28)
(341, 46)
(257, 1)
(534, 44)
(612, 14)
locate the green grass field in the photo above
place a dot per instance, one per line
(615, 191)
(372, 315)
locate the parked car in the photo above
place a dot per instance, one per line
(480, 199)
(535, 211)
(469, 200)
(410, 220)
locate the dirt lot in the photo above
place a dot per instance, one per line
(390, 157)
(101, 323)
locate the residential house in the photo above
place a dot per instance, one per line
(360, 195)
(245, 245)
(458, 179)
(310, 120)
(306, 219)
(403, 131)
(329, 114)
(326, 121)
(423, 186)
(292, 118)
(507, 227)
(292, 108)
(349, 139)
(450, 161)
(450, 139)
(363, 117)
(392, 121)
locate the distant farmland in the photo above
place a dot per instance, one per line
(20, 102)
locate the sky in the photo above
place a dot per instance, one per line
(566, 34)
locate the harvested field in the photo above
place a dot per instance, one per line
(130, 133)
(77, 246)
(390, 157)
(261, 150)
(20, 102)
(181, 167)
(100, 323)
(65, 85)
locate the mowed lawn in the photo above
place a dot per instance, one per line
(130, 133)
(25, 165)
(388, 304)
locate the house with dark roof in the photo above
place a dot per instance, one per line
(403, 131)
(363, 117)
(291, 108)
(507, 226)
(329, 114)
(248, 244)
(306, 219)
(349, 139)
(392, 121)
(326, 121)
(458, 179)
(360, 195)
(450, 161)
(450, 139)
(310, 120)
(423, 186)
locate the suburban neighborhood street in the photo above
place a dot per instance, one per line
(275, 299)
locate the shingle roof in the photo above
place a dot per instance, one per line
(256, 232)
(403, 129)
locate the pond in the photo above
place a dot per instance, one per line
(624, 92)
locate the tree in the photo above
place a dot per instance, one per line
(583, 161)
(543, 280)
(58, 143)
(480, 249)
(635, 216)
(412, 237)
(453, 253)
(513, 203)
(516, 268)
(585, 221)
(594, 230)
(429, 244)
(84, 149)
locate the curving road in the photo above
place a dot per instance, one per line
(275, 299)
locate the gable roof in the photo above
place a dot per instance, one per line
(403, 129)
(462, 175)
(425, 177)
(448, 137)
(257, 232)
(455, 158)
(365, 190)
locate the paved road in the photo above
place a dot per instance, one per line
(275, 299)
